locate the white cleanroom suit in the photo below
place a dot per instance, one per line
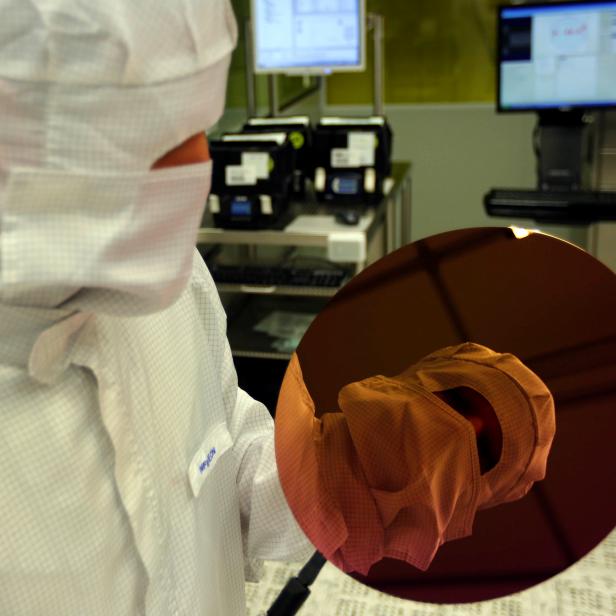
(135, 477)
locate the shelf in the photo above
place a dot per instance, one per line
(326, 292)
(317, 226)
(262, 355)
(245, 341)
(261, 238)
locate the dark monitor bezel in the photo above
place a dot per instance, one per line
(499, 61)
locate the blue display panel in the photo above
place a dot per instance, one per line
(557, 56)
(241, 207)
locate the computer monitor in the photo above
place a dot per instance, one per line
(557, 56)
(308, 36)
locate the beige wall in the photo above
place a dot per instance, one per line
(604, 235)
(458, 153)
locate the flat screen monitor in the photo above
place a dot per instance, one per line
(308, 36)
(557, 56)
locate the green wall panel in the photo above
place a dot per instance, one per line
(436, 51)
(236, 89)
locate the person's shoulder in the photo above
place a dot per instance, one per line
(203, 292)
(201, 279)
(197, 309)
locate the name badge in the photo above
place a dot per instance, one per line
(216, 442)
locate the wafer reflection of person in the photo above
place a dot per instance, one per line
(406, 461)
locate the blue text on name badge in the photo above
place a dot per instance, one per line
(208, 461)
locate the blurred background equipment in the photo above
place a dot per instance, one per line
(252, 179)
(299, 131)
(308, 37)
(558, 61)
(352, 159)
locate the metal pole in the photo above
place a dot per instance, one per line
(251, 96)
(598, 141)
(378, 28)
(322, 95)
(272, 89)
(407, 204)
(598, 137)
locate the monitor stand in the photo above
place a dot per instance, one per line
(563, 150)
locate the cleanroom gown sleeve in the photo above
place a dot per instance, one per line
(269, 529)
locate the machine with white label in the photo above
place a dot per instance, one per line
(352, 159)
(299, 130)
(252, 179)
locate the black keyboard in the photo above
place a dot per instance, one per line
(552, 205)
(252, 275)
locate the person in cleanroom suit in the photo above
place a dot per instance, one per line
(136, 478)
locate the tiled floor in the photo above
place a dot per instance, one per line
(586, 589)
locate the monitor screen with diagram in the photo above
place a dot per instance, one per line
(557, 56)
(308, 36)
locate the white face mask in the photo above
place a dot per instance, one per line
(130, 236)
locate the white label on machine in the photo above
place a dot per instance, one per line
(373, 121)
(238, 175)
(266, 205)
(363, 144)
(214, 204)
(345, 158)
(346, 247)
(259, 161)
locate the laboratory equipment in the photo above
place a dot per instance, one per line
(279, 275)
(299, 130)
(557, 56)
(349, 217)
(352, 159)
(557, 60)
(251, 180)
(308, 36)
(553, 205)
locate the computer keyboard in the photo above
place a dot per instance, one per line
(565, 206)
(252, 275)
